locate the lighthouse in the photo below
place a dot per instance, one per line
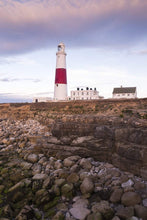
(60, 89)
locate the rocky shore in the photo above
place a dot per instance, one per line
(39, 184)
(74, 161)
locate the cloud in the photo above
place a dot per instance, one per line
(142, 52)
(33, 24)
(13, 98)
(16, 59)
(6, 79)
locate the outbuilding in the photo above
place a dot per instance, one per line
(124, 92)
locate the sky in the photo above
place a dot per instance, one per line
(105, 42)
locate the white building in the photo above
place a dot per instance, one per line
(42, 99)
(125, 93)
(84, 94)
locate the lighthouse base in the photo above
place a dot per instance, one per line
(60, 92)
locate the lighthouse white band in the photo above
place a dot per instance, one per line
(61, 60)
(60, 92)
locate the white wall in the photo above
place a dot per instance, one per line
(42, 99)
(125, 95)
(84, 94)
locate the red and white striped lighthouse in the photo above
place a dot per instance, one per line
(60, 89)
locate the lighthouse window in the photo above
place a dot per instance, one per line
(59, 48)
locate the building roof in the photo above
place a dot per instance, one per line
(124, 90)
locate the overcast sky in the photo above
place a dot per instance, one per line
(106, 45)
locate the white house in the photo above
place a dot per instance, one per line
(125, 93)
(84, 94)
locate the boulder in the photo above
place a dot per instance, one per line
(116, 195)
(104, 208)
(125, 212)
(130, 198)
(141, 212)
(85, 164)
(66, 190)
(87, 186)
(73, 178)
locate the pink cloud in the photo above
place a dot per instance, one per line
(33, 24)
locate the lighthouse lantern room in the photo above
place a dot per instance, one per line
(60, 89)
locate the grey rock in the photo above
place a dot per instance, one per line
(66, 190)
(125, 213)
(79, 212)
(95, 216)
(58, 164)
(133, 218)
(115, 218)
(104, 208)
(130, 198)
(26, 165)
(141, 212)
(81, 203)
(87, 186)
(85, 164)
(144, 202)
(36, 168)
(40, 176)
(116, 195)
(73, 178)
(127, 184)
(46, 182)
(33, 158)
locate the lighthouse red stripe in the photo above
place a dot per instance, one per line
(61, 76)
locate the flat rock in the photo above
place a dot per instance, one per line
(40, 176)
(79, 212)
(81, 203)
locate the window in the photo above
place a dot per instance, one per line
(128, 94)
(82, 93)
(59, 48)
(73, 93)
(87, 93)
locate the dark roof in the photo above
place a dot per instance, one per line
(124, 90)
